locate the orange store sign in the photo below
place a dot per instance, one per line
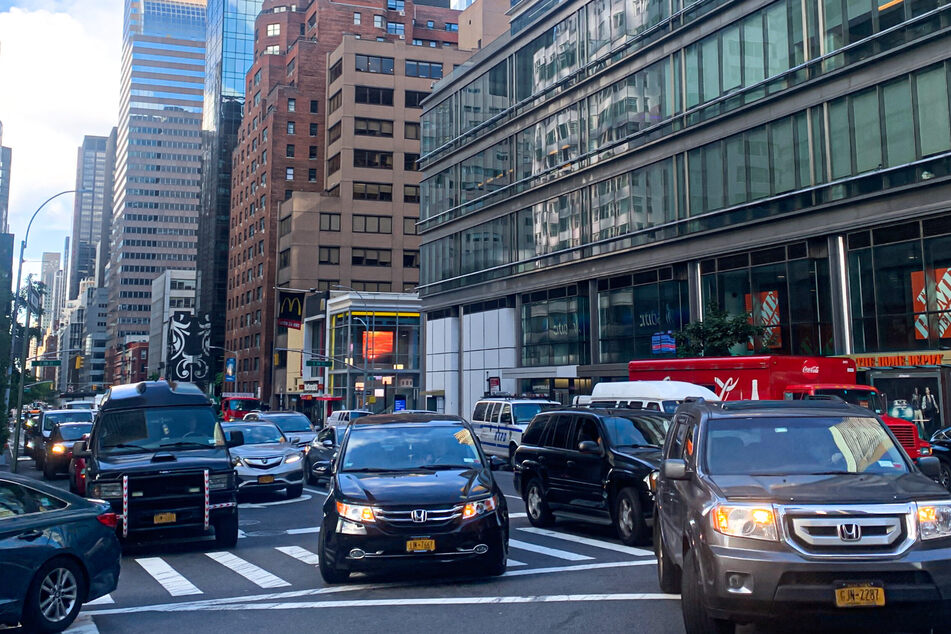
(896, 360)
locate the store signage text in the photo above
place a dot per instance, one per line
(893, 360)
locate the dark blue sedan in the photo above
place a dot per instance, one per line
(57, 551)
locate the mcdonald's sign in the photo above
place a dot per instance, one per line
(290, 312)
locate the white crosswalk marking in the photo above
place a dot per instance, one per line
(299, 553)
(174, 583)
(544, 550)
(249, 571)
(105, 599)
(515, 562)
(303, 531)
(587, 541)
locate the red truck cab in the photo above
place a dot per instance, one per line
(235, 407)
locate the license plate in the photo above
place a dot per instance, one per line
(265, 479)
(164, 518)
(859, 595)
(420, 545)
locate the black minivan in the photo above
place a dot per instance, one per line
(410, 489)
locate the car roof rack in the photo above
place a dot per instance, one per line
(825, 403)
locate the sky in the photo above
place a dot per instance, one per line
(59, 81)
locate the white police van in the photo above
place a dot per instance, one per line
(499, 421)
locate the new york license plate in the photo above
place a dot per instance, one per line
(265, 479)
(420, 545)
(859, 595)
(164, 518)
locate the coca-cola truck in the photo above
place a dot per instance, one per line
(778, 377)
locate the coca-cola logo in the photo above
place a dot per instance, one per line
(809, 369)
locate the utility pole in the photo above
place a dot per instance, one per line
(24, 349)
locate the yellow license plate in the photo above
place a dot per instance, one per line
(164, 518)
(265, 479)
(859, 595)
(420, 545)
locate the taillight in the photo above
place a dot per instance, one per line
(108, 519)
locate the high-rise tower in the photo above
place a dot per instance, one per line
(87, 210)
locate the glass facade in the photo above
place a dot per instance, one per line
(556, 327)
(638, 314)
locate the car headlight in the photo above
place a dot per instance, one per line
(356, 513)
(106, 490)
(236, 461)
(479, 507)
(58, 448)
(220, 481)
(934, 520)
(756, 522)
(292, 459)
(924, 450)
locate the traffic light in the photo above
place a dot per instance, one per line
(79, 361)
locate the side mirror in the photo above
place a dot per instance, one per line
(329, 444)
(79, 449)
(294, 440)
(675, 469)
(930, 466)
(589, 446)
(235, 438)
(496, 463)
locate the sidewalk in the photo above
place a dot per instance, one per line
(5, 459)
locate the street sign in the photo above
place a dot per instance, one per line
(318, 363)
(39, 363)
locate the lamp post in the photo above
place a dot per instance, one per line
(229, 351)
(366, 330)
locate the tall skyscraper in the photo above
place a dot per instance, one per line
(48, 272)
(158, 157)
(87, 210)
(6, 156)
(229, 55)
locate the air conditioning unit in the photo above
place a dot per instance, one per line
(402, 37)
(402, 13)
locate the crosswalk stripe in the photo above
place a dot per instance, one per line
(587, 541)
(544, 550)
(105, 599)
(173, 582)
(515, 562)
(249, 571)
(302, 531)
(299, 553)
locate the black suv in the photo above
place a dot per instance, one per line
(593, 465)
(157, 454)
(811, 508)
(411, 489)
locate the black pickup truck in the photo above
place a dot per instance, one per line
(158, 455)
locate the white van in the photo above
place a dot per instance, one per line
(499, 422)
(344, 416)
(660, 396)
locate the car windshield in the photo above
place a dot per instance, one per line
(150, 430)
(636, 430)
(290, 422)
(525, 412)
(241, 404)
(671, 406)
(409, 448)
(73, 416)
(863, 398)
(259, 434)
(354, 415)
(74, 431)
(800, 446)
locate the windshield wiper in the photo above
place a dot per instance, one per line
(123, 445)
(186, 443)
(373, 470)
(636, 446)
(444, 467)
(795, 473)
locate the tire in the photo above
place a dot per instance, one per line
(309, 474)
(295, 491)
(495, 562)
(538, 512)
(628, 518)
(226, 531)
(944, 475)
(512, 449)
(668, 573)
(39, 458)
(42, 610)
(49, 470)
(696, 618)
(328, 571)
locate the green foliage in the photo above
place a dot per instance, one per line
(718, 333)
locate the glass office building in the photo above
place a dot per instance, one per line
(607, 169)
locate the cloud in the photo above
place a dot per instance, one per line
(59, 72)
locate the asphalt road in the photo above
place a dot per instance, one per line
(569, 579)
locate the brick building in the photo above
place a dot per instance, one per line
(291, 103)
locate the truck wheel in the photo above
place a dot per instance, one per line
(538, 512)
(696, 618)
(226, 531)
(628, 518)
(668, 574)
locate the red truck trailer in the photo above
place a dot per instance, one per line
(778, 377)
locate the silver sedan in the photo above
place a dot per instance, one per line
(264, 459)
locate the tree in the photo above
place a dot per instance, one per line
(718, 333)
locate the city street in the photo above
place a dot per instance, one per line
(565, 579)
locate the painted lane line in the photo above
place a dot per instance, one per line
(515, 562)
(544, 550)
(83, 625)
(301, 554)
(249, 571)
(581, 567)
(515, 516)
(587, 541)
(317, 491)
(303, 531)
(105, 599)
(173, 582)
(264, 505)
(514, 497)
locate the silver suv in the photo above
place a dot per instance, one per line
(809, 508)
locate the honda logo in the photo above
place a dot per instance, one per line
(850, 532)
(419, 515)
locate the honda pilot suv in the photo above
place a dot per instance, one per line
(811, 508)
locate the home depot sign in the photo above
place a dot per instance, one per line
(897, 360)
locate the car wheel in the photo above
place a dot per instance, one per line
(38, 459)
(325, 561)
(55, 597)
(49, 470)
(628, 518)
(538, 512)
(696, 618)
(512, 449)
(226, 531)
(309, 471)
(295, 490)
(495, 562)
(944, 474)
(668, 574)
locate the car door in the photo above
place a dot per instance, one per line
(478, 421)
(24, 536)
(672, 493)
(490, 428)
(585, 472)
(554, 457)
(504, 434)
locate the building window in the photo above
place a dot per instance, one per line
(410, 259)
(312, 152)
(313, 129)
(291, 127)
(312, 175)
(372, 191)
(373, 96)
(430, 24)
(411, 194)
(290, 151)
(414, 98)
(284, 226)
(334, 73)
(395, 5)
(333, 132)
(329, 222)
(409, 226)
(257, 99)
(427, 70)
(273, 49)
(335, 102)
(372, 224)
(291, 65)
(374, 64)
(452, 27)
(284, 259)
(371, 257)
(313, 106)
(372, 127)
(333, 164)
(373, 159)
(257, 77)
(409, 161)
(289, 173)
(395, 28)
(379, 22)
(273, 30)
(328, 255)
(411, 130)
(356, 18)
